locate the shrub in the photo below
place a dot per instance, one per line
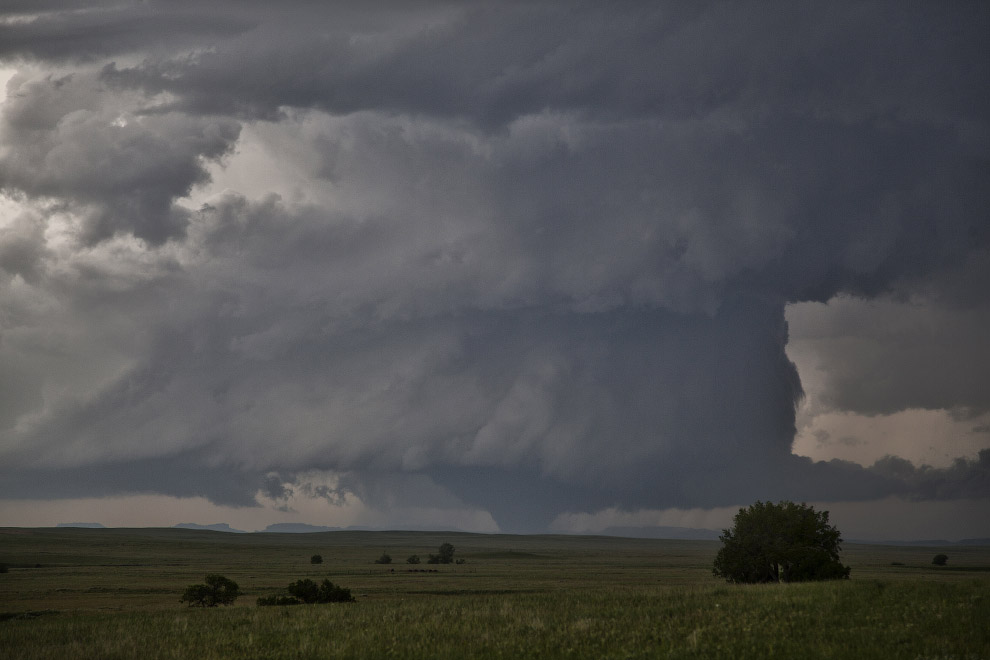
(3, 568)
(305, 590)
(459, 561)
(384, 559)
(940, 560)
(316, 559)
(218, 590)
(412, 559)
(334, 593)
(308, 592)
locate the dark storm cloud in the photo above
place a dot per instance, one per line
(122, 171)
(89, 30)
(489, 62)
(544, 260)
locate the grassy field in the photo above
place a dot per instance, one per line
(112, 593)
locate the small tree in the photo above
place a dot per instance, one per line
(218, 590)
(316, 559)
(412, 559)
(444, 556)
(940, 559)
(384, 559)
(446, 553)
(783, 542)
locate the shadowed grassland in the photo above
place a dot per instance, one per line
(114, 594)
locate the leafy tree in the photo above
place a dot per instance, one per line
(412, 559)
(384, 559)
(940, 559)
(783, 542)
(218, 590)
(316, 559)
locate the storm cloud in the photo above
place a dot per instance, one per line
(537, 256)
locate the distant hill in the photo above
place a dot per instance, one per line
(298, 528)
(662, 532)
(215, 527)
(82, 524)
(927, 542)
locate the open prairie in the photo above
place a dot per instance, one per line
(114, 593)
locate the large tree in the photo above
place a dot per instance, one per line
(784, 542)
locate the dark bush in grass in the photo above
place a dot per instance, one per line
(940, 559)
(334, 593)
(316, 559)
(384, 559)
(307, 591)
(412, 559)
(3, 568)
(218, 590)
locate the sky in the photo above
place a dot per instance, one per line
(495, 266)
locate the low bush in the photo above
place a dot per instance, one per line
(308, 592)
(412, 559)
(940, 560)
(384, 559)
(316, 559)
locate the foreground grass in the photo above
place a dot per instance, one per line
(517, 597)
(836, 620)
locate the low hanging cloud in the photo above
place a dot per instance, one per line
(534, 256)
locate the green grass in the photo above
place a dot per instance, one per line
(115, 593)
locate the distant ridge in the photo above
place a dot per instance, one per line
(662, 532)
(983, 541)
(927, 542)
(82, 524)
(298, 528)
(215, 527)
